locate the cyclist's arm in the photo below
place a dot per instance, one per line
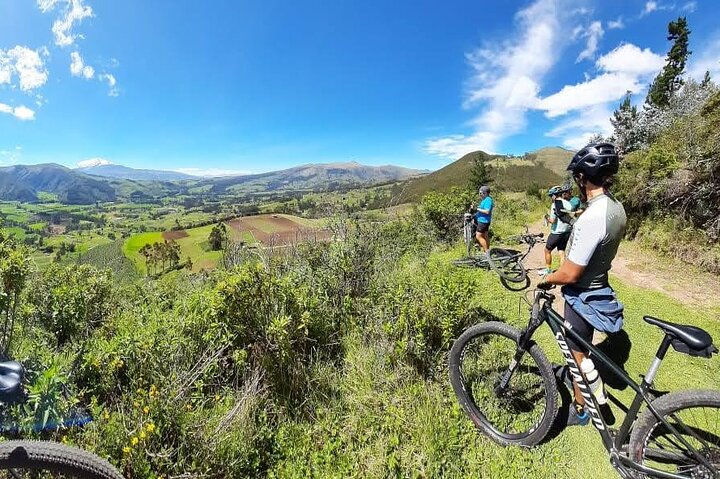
(568, 273)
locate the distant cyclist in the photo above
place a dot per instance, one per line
(560, 224)
(590, 302)
(483, 217)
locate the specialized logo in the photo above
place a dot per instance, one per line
(589, 399)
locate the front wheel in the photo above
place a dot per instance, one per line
(511, 397)
(695, 415)
(507, 264)
(36, 459)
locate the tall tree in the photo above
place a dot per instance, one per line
(218, 237)
(479, 172)
(670, 79)
(625, 122)
(706, 80)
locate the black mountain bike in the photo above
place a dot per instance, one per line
(507, 263)
(506, 385)
(43, 459)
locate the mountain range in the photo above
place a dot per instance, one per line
(26, 182)
(123, 172)
(106, 182)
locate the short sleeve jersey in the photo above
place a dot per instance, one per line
(486, 204)
(559, 227)
(575, 203)
(595, 239)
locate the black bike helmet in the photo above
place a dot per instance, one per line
(596, 160)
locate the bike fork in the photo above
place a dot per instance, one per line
(505, 379)
(519, 352)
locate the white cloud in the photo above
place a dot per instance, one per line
(649, 8)
(505, 81)
(73, 12)
(20, 112)
(47, 5)
(111, 81)
(625, 68)
(628, 58)
(707, 59)
(593, 34)
(78, 67)
(212, 172)
(24, 63)
(89, 163)
(601, 89)
(616, 24)
(574, 132)
(690, 7)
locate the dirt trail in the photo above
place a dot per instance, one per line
(648, 270)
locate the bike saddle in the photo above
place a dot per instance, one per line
(11, 376)
(686, 339)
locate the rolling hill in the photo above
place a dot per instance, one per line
(545, 166)
(554, 158)
(25, 182)
(135, 174)
(311, 177)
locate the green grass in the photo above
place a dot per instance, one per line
(678, 371)
(131, 247)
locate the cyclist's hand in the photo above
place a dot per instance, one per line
(545, 285)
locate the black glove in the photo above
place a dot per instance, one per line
(545, 285)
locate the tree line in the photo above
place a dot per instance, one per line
(161, 254)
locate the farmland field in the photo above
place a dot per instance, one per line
(269, 230)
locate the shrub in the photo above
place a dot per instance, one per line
(71, 301)
(443, 212)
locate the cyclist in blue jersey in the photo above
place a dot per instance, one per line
(483, 217)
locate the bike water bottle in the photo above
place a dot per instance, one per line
(597, 388)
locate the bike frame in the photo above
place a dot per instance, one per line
(613, 441)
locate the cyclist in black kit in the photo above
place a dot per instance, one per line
(590, 302)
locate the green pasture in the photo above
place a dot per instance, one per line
(581, 447)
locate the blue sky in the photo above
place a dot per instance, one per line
(236, 86)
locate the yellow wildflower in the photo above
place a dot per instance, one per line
(146, 409)
(142, 435)
(150, 428)
(126, 450)
(134, 441)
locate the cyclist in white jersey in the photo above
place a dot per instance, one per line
(590, 302)
(560, 224)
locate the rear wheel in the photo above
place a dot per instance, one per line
(469, 239)
(696, 416)
(506, 263)
(520, 413)
(43, 459)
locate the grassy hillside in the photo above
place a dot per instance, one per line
(543, 167)
(555, 158)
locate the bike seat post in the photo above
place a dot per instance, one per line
(659, 356)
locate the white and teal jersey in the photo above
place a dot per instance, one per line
(559, 227)
(595, 239)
